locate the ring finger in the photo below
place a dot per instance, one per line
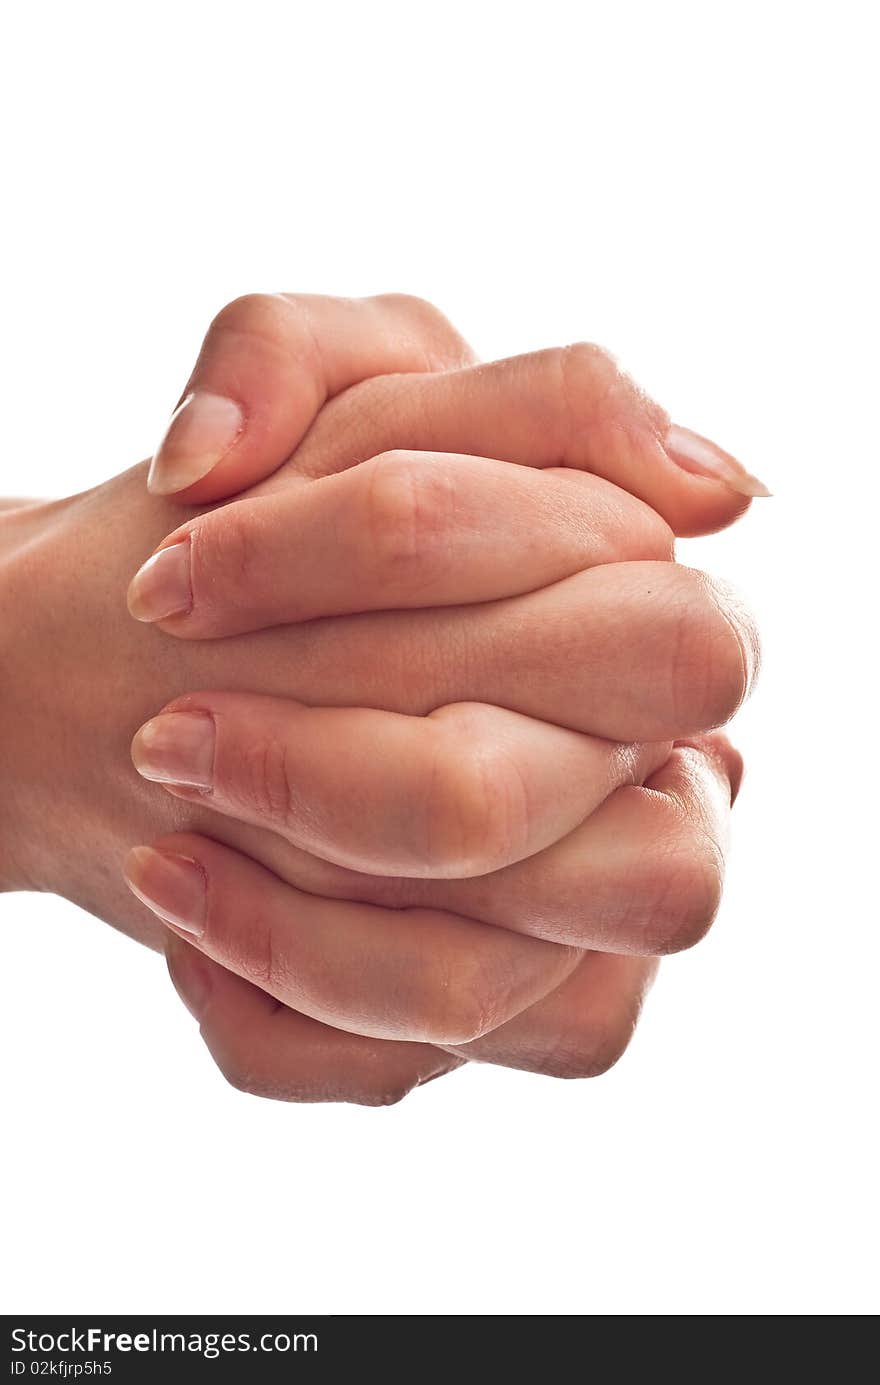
(461, 792)
(641, 875)
(417, 974)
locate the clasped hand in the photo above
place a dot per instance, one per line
(424, 715)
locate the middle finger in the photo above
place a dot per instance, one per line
(643, 651)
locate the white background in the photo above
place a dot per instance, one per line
(691, 185)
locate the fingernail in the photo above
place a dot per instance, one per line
(176, 748)
(701, 457)
(189, 974)
(162, 587)
(202, 430)
(174, 887)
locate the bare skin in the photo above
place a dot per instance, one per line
(402, 928)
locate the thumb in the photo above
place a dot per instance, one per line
(268, 364)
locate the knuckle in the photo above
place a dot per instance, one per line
(595, 396)
(438, 342)
(223, 554)
(255, 948)
(715, 652)
(633, 528)
(735, 767)
(253, 314)
(279, 322)
(741, 638)
(685, 893)
(477, 816)
(589, 378)
(252, 1080)
(460, 1004)
(383, 1093)
(266, 786)
(412, 305)
(655, 535)
(590, 1051)
(586, 359)
(237, 1071)
(430, 319)
(409, 519)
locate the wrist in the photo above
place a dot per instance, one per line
(24, 529)
(21, 522)
(77, 676)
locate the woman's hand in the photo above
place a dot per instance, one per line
(391, 372)
(284, 544)
(68, 773)
(645, 872)
(581, 656)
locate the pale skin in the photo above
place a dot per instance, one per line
(447, 798)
